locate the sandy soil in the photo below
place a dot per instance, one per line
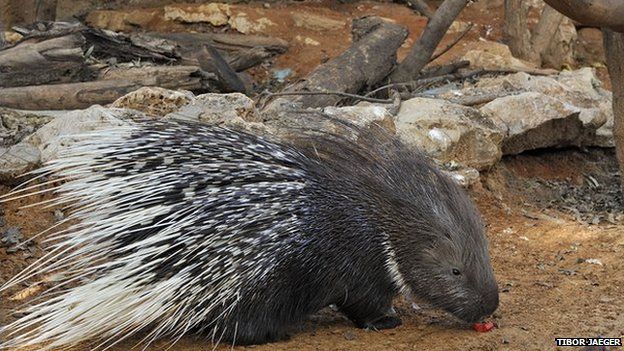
(540, 256)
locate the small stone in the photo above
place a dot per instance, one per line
(59, 215)
(317, 22)
(350, 335)
(594, 261)
(11, 236)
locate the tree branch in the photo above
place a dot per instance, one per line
(544, 32)
(422, 50)
(453, 43)
(421, 7)
(600, 13)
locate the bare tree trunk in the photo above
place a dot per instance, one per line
(116, 83)
(549, 22)
(614, 49)
(422, 50)
(369, 60)
(45, 10)
(516, 31)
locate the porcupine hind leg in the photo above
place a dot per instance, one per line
(374, 314)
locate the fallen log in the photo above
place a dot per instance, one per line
(114, 83)
(239, 51)
(229, 81)
(56, 60)
(369, 59)
(130, 47)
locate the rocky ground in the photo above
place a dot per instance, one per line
(536, 158)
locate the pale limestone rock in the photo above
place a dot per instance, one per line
(449, 132)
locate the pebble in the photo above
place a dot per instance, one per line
(59, 215)
(11, 236)
(349, 335)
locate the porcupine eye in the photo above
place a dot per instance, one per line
(456, 271)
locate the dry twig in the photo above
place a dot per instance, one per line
(453, 43)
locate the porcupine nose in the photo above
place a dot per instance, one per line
(490, 302)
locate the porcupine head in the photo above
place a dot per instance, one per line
(442, 255)
(437, 250)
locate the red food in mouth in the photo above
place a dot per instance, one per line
(483, 327)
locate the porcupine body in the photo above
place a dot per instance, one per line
(182, 227)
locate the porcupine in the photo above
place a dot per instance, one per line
(182, 227)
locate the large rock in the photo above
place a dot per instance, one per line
(154, 101)
(534, 120)
(46, 143)
(449, 132)
(17, 160)
(16, 157)
(234, 110)
(493, 55)
(363, 115)
(66, 130)
(560, 51)
(578, 89)
(16, 125)
(289, 122)
(212, 13)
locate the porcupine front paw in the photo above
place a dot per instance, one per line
(372, 319)
(385, 322)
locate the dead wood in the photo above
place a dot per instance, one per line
(421, 7)
(530, 46)
(614, 50)
(369, 59)
(239, 51)
(435, 71)
(211, 61)
(452, 44)
(56, 60)
(130, 47)
(599, 13)
(118, 83)
(421, 84)
(422, 50)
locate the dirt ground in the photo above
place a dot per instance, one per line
(558, 274)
